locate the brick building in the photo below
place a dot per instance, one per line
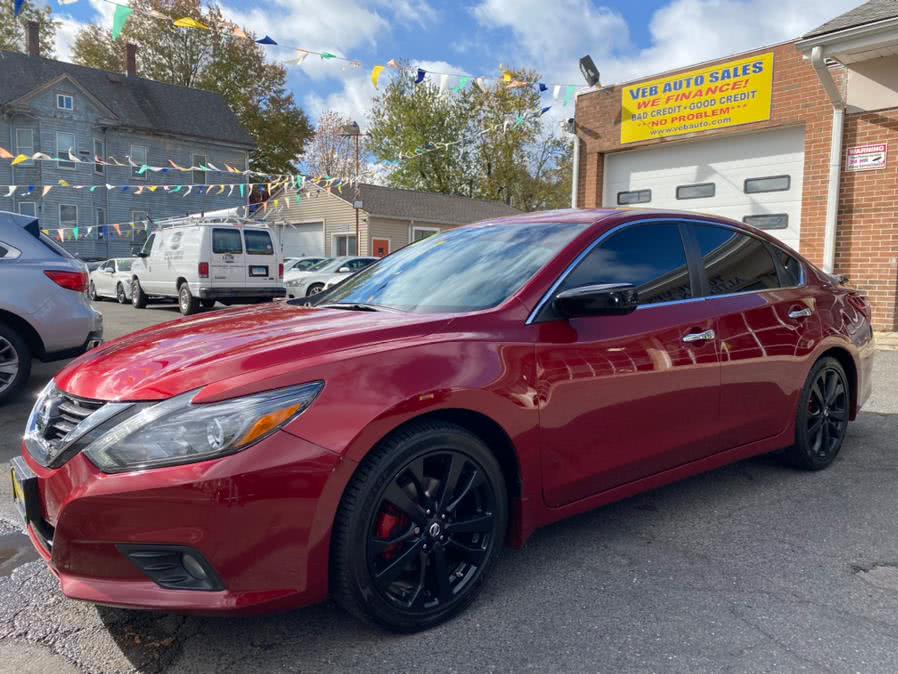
(799, 138)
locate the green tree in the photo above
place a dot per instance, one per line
(12, 28)
(218, 60)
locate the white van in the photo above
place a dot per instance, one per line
(201, 262)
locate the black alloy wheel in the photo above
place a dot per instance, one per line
(419, 527)
(822, 416)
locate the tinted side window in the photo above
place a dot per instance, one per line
(735, 262)
(258, 243)
(226, 241)
(651, 257)
(148, 245)
(791, 267)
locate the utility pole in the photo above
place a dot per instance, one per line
(353, 130)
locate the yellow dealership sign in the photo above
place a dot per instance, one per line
(727, 94)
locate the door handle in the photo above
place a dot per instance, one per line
(705, 336)
(801, 313)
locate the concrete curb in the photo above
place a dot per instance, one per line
(886, 341)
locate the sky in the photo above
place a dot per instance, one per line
(627, 39)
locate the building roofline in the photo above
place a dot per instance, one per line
(863, 30)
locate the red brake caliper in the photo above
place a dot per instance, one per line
(391, 522)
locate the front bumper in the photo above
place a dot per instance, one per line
(261, 518)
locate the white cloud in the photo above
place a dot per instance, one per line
(69, 27)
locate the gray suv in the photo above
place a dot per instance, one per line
(44, 311)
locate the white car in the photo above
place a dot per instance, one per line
(313, 281)
(297, 264)
(112, 279)
(201, 262)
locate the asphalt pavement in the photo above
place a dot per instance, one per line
(751, 568)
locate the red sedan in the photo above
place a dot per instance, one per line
(381, 445)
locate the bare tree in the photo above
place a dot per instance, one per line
(330, 152)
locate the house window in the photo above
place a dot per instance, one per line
(25, 144)
(65, 143)
(345, 244)
(99, 153)
(768, 221)
(700, 191)
(769, 184)
(101, 216)
(421, 233)
(65, 102)
(199, 177)
(634, 197)
(138, 217)
(139, 157)
(27, 208)
(68, 215)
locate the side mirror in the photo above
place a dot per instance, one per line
(605, 299)
(343, 270)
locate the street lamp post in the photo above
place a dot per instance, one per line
(352, 130)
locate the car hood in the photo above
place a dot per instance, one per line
(184, 355)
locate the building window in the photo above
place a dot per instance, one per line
(65, 102)
(768, 221)
(699, 191)
(99, 153)
(634, 197)
(199, 177)
(769, 184)
(68, 215)
(65, 143)
(25, 144)
(139, 157)
(27, 208)
(139, 217)
(421, 233)
(345, 244)
(101, 216)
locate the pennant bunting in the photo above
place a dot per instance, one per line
(63, 183)
(89, 230)
(507, 76)
(75, 232)
(266, 40)
(12, 190)
(545, 110)
(61, 233)
(4, 154)
(302, 57)
(66, 2)
(543, 87)
(462, 83)
(444, 82)
(420, 76)
(569, 94)
(47, 189)
(72, 157)
(119, 19)
(17, 7)
(326, 56)
(189, 22)
(19, 160)
(393, 64)
(239, 32)
(375, 75)
(556, 91)
(118, 229)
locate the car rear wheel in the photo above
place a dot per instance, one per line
(314, 289)
(15, 362)
(823, 413)
(92, 292)
(120, 294)
(187, 303)
(419, 528)
(138, 299)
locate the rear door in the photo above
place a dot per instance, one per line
(261, 262)
(767, 325)
(227, 259)
(105, 277)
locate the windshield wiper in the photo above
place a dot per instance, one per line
(354, 306)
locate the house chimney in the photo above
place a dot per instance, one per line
(131, 59)
(33, 38)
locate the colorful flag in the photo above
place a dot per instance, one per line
(119, 19)
(188, 22)
(266, 40)
(420, 76)
(375, 75)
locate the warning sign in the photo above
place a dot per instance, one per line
(867, 157)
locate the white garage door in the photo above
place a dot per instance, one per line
(305, 240)
(755, 178)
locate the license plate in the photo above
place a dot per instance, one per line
(24, 490)
(18, 495)
(258, 271)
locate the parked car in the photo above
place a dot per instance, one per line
(44, 312)
(312, 282)
(301, 263)
(112, 279)
(294, 274)
(384, 443)
(201, 262)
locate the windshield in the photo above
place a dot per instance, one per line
(124, 265)
(318, 266)
(459, 270)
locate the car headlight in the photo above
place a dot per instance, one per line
(177, 431)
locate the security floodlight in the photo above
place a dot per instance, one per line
(569, 125)
(589, 71)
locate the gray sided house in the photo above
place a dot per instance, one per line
(49, 106)
(324, 223)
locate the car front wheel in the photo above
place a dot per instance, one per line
(92, 292)
(419, 528)
(15, 362)
(314, 289)
(120, 294)
(822, 420)
(187, 303)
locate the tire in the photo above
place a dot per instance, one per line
(92, 292)
(389, 583)
(138, 299)
(314, 289)
(120, 294)
(822, 418)
(207, 304)
(187, 303)
(15, 362)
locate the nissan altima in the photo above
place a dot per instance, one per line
(383, 441)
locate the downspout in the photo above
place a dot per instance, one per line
(835, 158)
(575, 169)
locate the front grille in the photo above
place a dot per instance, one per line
(64, 413)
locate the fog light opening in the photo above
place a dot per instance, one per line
(193, 567)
